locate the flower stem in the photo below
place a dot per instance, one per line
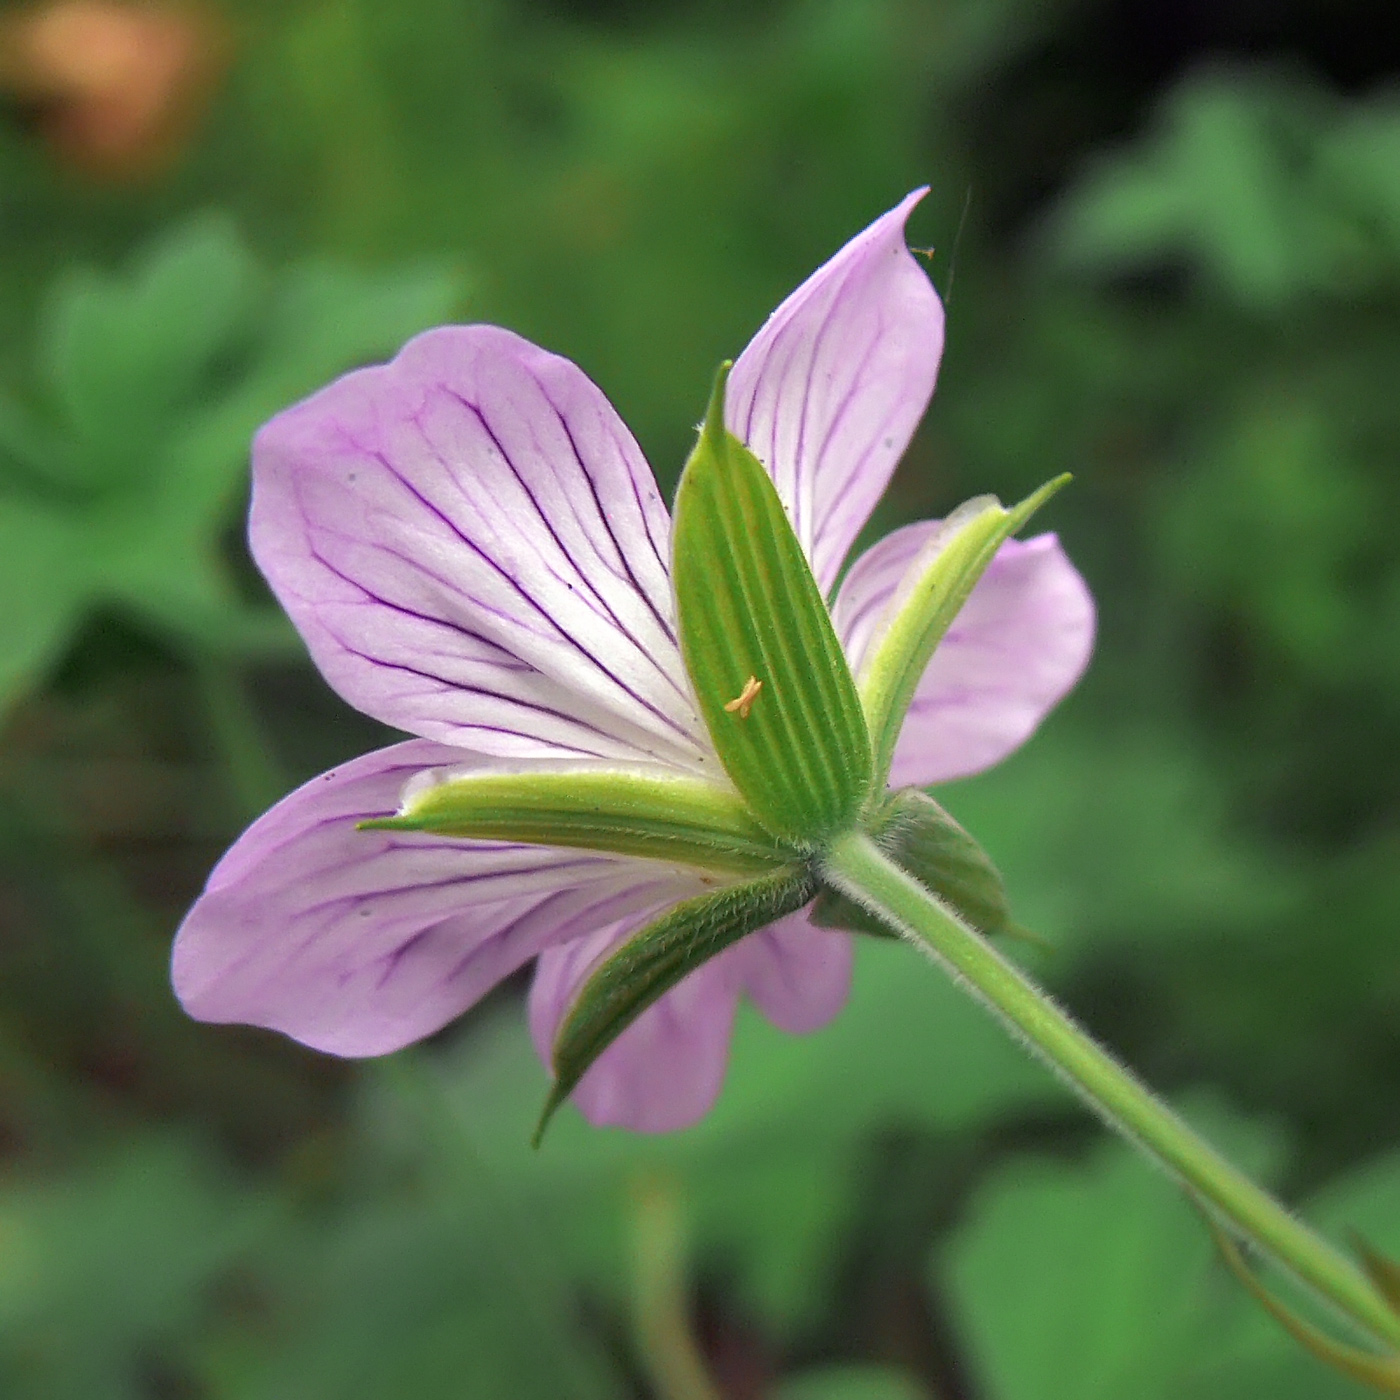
(857, 867)
(660, 1308)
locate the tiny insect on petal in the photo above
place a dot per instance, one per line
(742, 703)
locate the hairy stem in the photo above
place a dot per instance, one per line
(857, 867)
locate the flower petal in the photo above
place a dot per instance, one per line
(665, 1070)
(359, 942)
(829, 392)
(1018, 646)
(798, 975)
(475, 551)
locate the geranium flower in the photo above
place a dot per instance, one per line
(475, 551)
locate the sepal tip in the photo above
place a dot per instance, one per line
(552, 1105)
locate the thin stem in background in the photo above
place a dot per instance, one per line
(660, 1298)
(254, 775)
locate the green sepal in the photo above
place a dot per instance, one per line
(965, 546)
(654, 960)
(684, 821)
(920, 837)
(748, 606)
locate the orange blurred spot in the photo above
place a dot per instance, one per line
(116, 88)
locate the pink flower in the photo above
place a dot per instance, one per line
(475, 551)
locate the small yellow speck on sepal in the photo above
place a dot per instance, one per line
(742, 703)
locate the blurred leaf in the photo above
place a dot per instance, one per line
(124, 355)
(157, 379)
(1256, 178)
(850, 1383)
(1373, 1369)
(1097, 1282)
(1120, 836)
(1383, 1271)
(1364, 1202)
(40, 603)
(1360, 157)
(1262, 1360)
(104, 1270)
(1276, 521)
(416, 1300)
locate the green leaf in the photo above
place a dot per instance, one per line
(1080, 1284)
(449, 1289)
(664, 817)
(1365, 1204)
(653, 961)
(43, 580)
(1096, 1282)
(955, 558)
(751, 613)
(107, 1265)
(918, 834)
(123, 354)
(1144, 810)
(119, 486)
(856, 1382)
(424, 1301)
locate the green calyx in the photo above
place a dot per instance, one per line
(679, 820)
(957, 557)
(910, 827)
(773, 683)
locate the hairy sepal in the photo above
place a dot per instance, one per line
(920, 837)
(750, 610)
(653, 961)
(924, 609)
(633, 812)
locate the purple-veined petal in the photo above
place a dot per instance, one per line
(665, 1070)
(359, 942)
(474, 549)
(797, 974)
(829, 392)
(1015, 650)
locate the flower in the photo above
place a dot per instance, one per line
(475, 551)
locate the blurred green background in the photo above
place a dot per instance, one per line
(1169, 237)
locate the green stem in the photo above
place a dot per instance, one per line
(660, 1308)
(857, 867)
(255, 779)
